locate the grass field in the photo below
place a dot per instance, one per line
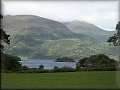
(70, 80)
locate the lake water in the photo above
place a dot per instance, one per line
(48, 64)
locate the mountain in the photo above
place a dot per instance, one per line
(37, 37)
(89, 30)
(41, 28)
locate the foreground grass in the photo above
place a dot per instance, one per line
(93, 79)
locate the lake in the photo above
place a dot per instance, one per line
(48, 64)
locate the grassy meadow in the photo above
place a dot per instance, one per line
(69, 80)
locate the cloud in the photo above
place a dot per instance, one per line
(101, 13)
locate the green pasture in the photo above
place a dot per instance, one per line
(62, 80)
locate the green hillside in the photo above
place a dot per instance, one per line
(37, 37)
(37, 27)
(74, 48)
(89, 30)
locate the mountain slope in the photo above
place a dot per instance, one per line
(37, 37)
(39, 27)
(74, 48)
(89, 30)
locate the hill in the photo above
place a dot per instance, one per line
(40, 28)
(89, 30)
(37, 37)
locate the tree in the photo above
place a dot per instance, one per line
(118, 32)
(97, 62)
(8, 62)
(41, 67)
(113, 39)
(4, 37)
(116, 38)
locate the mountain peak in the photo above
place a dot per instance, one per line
(89, 29)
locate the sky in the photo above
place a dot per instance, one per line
(103, 14)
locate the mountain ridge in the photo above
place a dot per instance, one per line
(89, 30)
(42, 38)
(31, 22)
